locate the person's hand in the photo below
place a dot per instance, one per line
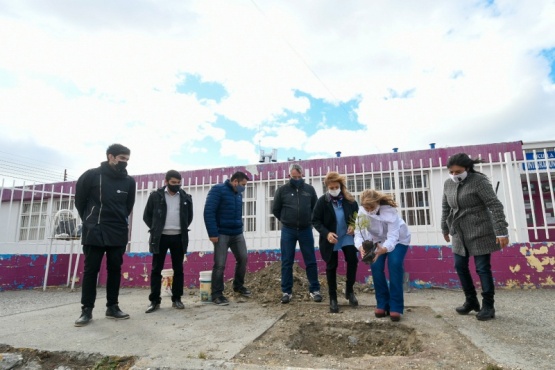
(379, 251)
(361, 250)
(446, 237)
(214, 239)
(350, 230)
(503, 241)
(332, 238)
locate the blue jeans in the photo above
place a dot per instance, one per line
(483, 269)
(289, 238)
(238, 247)
(390, 298)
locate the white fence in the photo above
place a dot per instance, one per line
(525, 187)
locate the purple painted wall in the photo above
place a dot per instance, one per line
(527, 265)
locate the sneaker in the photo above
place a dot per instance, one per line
(221, 301)
(243, 291)
(286, 297)
(316, 296)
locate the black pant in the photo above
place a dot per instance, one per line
(351, 258)
(174, 244)
(483, 269)
(93, 260)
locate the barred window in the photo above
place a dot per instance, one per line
(415, 198)
(273, 223)
(249, 208)
(33, 220)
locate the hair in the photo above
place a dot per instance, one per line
(172, 174)
(370, 197)
(239, 176)
(463, 160)
(295, 167)
(117, 149)
(342, 180)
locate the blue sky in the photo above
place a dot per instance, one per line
(192, 84)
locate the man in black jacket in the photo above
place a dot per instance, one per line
(293, 206)
(168, 214)
(104, 198)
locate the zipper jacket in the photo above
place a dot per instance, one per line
(155, 217)
(293, 205)
(104, 199)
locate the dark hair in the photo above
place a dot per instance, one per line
(117, 149)
(239, 176)
(172, 174)
(463, 160)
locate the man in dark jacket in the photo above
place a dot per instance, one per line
(293, 206)
(104, 198)
(223, 218)
(168, 214)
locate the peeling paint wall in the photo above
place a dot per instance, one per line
(527, 265)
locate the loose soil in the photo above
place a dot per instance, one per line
(308, 336)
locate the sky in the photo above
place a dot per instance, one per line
(204, 84)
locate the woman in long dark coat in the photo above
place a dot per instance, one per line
(474, 218)
(330, 218)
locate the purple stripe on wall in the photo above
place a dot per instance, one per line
(527, 265)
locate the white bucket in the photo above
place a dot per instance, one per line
(205, 279)
(167, 281)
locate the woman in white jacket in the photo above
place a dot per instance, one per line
(391, 235)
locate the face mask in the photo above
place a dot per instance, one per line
(174, 188)
(460, 177)
(296, 182)
(240, 188)
(335, 192)
(120, 166)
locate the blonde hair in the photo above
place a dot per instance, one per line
(370, 197)
(342, 180)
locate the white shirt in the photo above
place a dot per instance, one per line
(386, 227)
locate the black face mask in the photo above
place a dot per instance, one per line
(120, 166)
(174, 188)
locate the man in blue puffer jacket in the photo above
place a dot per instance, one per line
(223, 218)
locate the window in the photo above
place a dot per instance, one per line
(273, 223)
(249, 208)
(415, 202)
(67, 203)
(33, 221)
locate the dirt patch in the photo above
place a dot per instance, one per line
(309, 336)
(26, 358)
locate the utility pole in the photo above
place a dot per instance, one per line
(65, 174)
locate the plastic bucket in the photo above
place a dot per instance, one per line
(205, 279)
(167, 281)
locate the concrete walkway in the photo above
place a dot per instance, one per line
(521, 336)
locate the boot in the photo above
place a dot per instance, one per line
(351, 297)
(487, 312)
(85, 318)
(471, 304)
(113, 312)
(334, 308)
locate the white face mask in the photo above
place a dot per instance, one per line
(375, 210)
(460, 177)
(334, 192)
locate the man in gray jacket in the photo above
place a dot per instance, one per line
(293, 206)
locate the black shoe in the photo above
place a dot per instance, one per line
(334, 308)
(316, 296)
(85, 318)
(113, 312)
(286, 298)
(351, 297)
(486, 313)
(467, 307)
(243, 291)
(221, 301)
(152, 307)
(178, 304)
